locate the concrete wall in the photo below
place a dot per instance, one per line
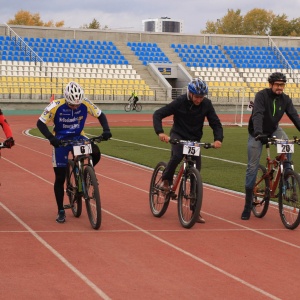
(110, 35)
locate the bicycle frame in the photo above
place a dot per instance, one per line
(82, 181)
(278, 180)
(79, 161)
(188, 182)
(273, 166)
(188, 161)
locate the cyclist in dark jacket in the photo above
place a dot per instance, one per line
(189, 112)
(269, 107)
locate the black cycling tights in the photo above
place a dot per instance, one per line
(60, 176)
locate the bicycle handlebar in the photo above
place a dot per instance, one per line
(191, 143)
(274, 141)
(96, 139)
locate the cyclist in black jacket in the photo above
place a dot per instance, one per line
(189, 112)
(269, 107)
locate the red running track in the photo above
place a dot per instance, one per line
(134, 255)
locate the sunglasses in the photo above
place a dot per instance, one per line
(279, 84)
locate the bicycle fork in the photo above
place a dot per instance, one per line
(79, 178)
(81, 181)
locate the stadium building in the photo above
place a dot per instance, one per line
(37, 62)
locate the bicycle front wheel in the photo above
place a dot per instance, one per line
(92, 197)
(75, 199)
(261, 193)
(138, 107)
(128, 107)
(289, 199)
(190, 197)
(159, 200)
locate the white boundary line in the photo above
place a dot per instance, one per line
(90, 283)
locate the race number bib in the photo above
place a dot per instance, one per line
(82, 149)
(285, 148)
(191, 150)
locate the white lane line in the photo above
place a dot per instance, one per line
(259, 290)
(58, 255)
(99, 291)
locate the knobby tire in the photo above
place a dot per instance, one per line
(92, 197)
(138, 107)
(289, 199)
(75, 199)
(128, 107)
(261, 193)
(190, 197)
(159, 200)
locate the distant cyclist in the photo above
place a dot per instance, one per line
(9, 142)
(69, 115)
(135, 99)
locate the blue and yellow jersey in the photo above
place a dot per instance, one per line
(67, 121)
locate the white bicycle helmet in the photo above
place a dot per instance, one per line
(74, 93)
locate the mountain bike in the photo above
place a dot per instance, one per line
(278, 180)
(81, 181)
(190, 184)
(129, 106)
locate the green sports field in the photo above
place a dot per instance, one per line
(224, 167)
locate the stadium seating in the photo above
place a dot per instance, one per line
(60, 61)
(201, 56)
(44, 65)
(148, 52)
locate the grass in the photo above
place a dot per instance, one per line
(224, 167)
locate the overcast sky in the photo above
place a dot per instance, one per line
(128, 14)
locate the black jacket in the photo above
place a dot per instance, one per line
(189, 118)
(268, 110)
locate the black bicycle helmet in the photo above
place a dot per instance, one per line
(277, 76)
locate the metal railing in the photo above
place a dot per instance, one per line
(283, 60)
(33, 56)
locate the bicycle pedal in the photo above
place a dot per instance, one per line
(67, 206)
(174, 196)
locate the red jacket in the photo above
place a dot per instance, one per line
(5, 126)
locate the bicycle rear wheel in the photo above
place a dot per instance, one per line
(92, 197)
(159, 200)
(75, 199)
(128, 107)
(289, 199)
(138, 107)
(261, 193)
(190, 197)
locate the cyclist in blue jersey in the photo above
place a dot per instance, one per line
(68, 116)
